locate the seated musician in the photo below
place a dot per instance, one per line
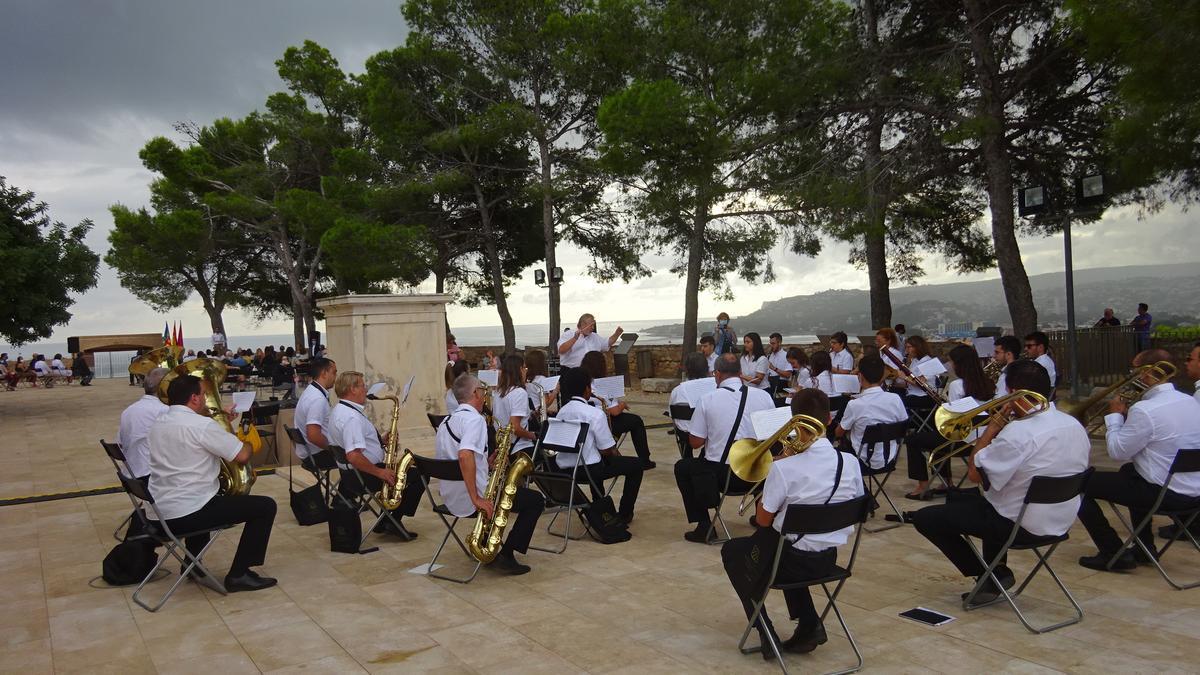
(839, 356)
(779, 368)
(462, 436)
(453, 370)
(972, 383)
(708, 347)
(888, 345)
(816, 476)
(1006, 352)
(721, 417)
(136, 422)
(599, 448)
(312, 416)
(512, 404)
(1193, 369)
(873, 405)
(754, 362)
(186, 449)
(60, 369)
(1037, 347)
(350, 429)
(574, 344)
(1004, 460)
(801, 374)
(695, 367)
(1147, 437)
(536, 372)
(623, 421)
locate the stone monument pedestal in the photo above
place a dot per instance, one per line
(390, 338)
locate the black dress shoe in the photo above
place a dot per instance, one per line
(250, 581)
(647, 465)
(989, 592)
(507, 563)
(398, 530)
(698, 535)
(1168, 531)
(754, 522)
(1100, 562)
(803, 642)
(624, 519)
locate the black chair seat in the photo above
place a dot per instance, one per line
(838, 574)
(445, 511)
(1038, 542)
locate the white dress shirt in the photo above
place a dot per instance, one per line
(451, 402)
(712, 363)
(713, 420)
(807, 478)
(350, 429)
(842, 360)
(1048, 363)
(752, 366)
(679, 396)
(186, 450)
(1002, 382)
(471, 429)
(802, 379)
(59, 367)
(134, 434)
(873, 406)
(513, 404)
(586, 343)
(914, 390)
(1050, 443)
(1196, 393)
(312, 408)
(1161, 423)
(779, 360)
(824, 382)
(599, 436)
(42, 368)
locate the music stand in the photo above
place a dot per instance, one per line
(621, 355)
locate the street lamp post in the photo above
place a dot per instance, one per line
(556, 279)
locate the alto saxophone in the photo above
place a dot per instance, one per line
(484, 540)
(389, 495)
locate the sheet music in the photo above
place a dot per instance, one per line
(407, 389)
(694, 390)
(489, 377)
(931, 369)
(985, 347)
(562, 433)
(962, 405)
(767, 422)
(846, 384)
(609, 388)
(377, 389)
(242, 400)
(548, 383)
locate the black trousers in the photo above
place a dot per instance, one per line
(700, 482)
(610, 467)
(837, 406)
(633, 425)
(1126, 487)
(350, 488)
(748, 562)
(528, 505)
(256, 511)
(967, 513)
(320, 461)
(136, 527)
(86, 380)
(916, 445)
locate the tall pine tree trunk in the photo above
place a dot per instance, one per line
(297, 323)
(495, 273)
(548, 233)
(875, 232)
(691, 305)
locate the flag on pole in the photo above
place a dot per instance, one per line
(175, 334)
(166, 335)
(180, 333)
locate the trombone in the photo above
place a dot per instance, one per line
(750, 460)
(958, 427)
(1130, 389)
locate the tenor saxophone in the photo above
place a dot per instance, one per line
(484, 540)
(389, 495)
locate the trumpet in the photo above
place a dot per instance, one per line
(750, 460)
(957, 427)
(1130, 389)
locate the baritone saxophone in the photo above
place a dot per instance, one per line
(485, 539)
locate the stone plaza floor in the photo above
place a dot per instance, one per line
(654, 604)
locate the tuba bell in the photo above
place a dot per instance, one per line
(750, 460)
(1090, 411)
(485, 538)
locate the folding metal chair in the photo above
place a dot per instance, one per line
(684, 412)
(876, 436)
(363, 499)
(727, 491)
(1042, 490)
(117, 455)
(1186, 461)
(444, 469)
(320, 473)
(801, 519)
(561, 491)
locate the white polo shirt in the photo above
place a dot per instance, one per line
(1050, 443)
(779, 360)
(842, 360)
(42, 368)
(186, 450)
(679, 396)
(807, 478)
(1048, 363)
(873, 406)
(586, 343)
(824, 382)
(471, 429)
(599, 436)
(134, 433)
(1161, 423)
(513, 404)
(752, 367)
(312, 408)
(350, 429)
(713, 419)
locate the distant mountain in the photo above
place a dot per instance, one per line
(1172, 291)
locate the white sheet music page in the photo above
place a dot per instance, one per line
(609, 388)
(489, 377)
(377, 389)
(694, 390)
(931, 369)
(242, 400)
(985, 347)
(767, 422)
(562, 433)
(549, 383)
(962, 405)
(846, 384)
(407, 388)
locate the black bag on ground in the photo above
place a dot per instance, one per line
(308, 505)
(128, 563)
(345, 530)
(603, 523)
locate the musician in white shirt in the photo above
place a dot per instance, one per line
(1004, 461)
(1193, 369)
(915, 397)
(462, 436)
(350, 429)
(889, 350)
(801, 374)
(872, 406)
(186, 449)
(1005, 352)
(599, 451)
(779, 369)
(754, 362)
(839, 355)
(722, 417)
(695, 367)
(819, 475)
(1037, 347)
(574, 344)
(708, 347)
(59, 368)
(512, 403)
(312, 414)
(1147, 436)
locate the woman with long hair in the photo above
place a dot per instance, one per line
(512, 403)
(622, 420)
(970, 382)
(801, 374)
(754, 362)
(917, 350)
(537, 371)
(821, 366)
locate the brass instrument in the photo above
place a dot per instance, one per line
(992, 370)
(542, 411)
(1090, 411)
(750, 460)
(957, 427)
(166, 356)
(389, 495)
(484, 540)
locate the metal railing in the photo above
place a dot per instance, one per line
(1104, 354)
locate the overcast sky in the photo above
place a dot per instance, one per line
(85, 84)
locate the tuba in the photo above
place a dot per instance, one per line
(957, 427)
(236, 479)
(1090, 411)
(389, 495)
(484, 540)
(750, 460)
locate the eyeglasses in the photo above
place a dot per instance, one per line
(1031, 345)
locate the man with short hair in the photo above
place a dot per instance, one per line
(872, 406)
(1141, 325)
(778, 368)
(312, 416)
(839, 355)
(1147, 436)
(574, 344)
(721, 417)
(900, 336)
(708, 347)
(1108, 319)
(186, 449)
(695, 367)
(137, 420)
(1037, 347)
(1005, 351)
